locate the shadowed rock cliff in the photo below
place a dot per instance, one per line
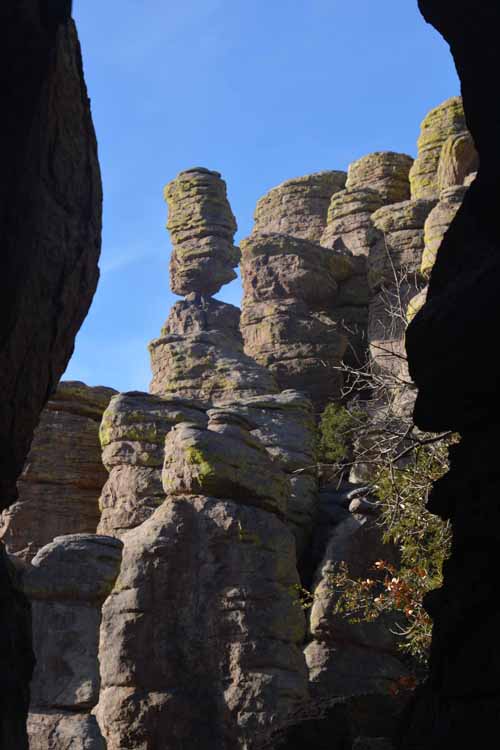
(50, 219)
(459, 391)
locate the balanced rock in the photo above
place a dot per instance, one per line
(67, 583)
(386, 172)
(202, 227)
(298, 207)
(133, 432)
(437, 225)
(63, 476)
(441, 123)
(200, 355)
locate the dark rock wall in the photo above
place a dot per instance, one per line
(50, 222)
(50, 214)
(451, 355)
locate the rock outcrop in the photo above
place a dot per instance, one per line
(394, 278)
(50, 199)
(298, 207)
(344, 658)
(200, 352)
(288, 326)
(202, 227)
(67, 583)
(457, 391)
(439, 129)
(62, 479)
(133, 432)
(202, 633)
(386, 172)
(200, 355)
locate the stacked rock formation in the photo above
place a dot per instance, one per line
(200, 352)
(290, 286)
(298, 207)
(456, 170)
(59, 489)
(441, 124)
(133, 433)
(67, 582)
(202, 633)
(212, 487)
(394, 279)
(374, 181)
(305, 309)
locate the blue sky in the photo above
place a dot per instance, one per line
(260, 91)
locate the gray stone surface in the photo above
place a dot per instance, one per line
(63, 475)
(133, 432)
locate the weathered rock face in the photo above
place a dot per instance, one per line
(459, 161)
(460, 702)
(345, 658)
(285, 425)
(442, 123)
(200, 351)
(437, 225)
(133, 432)
(400, 245)
(290, 286)
(218, 568)
(202, 227)
(394, 277)
(386, 172)
(200, 355)
(67, 583)
(50, 216)
(349, 227)
(63, 476)
(298, 207)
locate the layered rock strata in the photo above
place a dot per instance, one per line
(62, 479)
(221, 554)
(200, 355)
(439, 129)
(299, 207)
(50, 208)
(202, 227)
(133, 432)
(386, 172)
(67, 582)
(200, 352)
(394, 276)
(285, 425)
(290, 286)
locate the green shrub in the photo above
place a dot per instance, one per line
(423, 541)
(337, 429)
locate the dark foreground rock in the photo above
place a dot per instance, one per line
(460, 703)
(50, 221)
